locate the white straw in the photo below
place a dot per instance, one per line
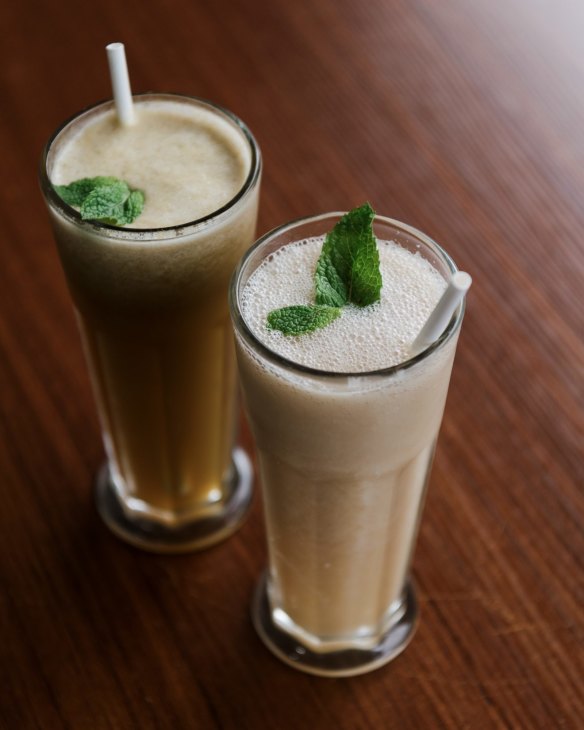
(116, 56)
(437, 322)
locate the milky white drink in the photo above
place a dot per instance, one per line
(343, 459)
(152, 308)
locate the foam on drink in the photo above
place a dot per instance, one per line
(363, 338)
(187, 160)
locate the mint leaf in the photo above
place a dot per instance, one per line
(75, 193)
(301, 319)
(330, 288)
(133, 206)
(348, 267)
(105, 199)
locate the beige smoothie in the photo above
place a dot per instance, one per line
(344, 459)
(152, 303)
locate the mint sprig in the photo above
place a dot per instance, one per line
(347, 272)
(104, 199)
(75, 193)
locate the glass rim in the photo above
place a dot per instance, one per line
(139, 234)
(241, 327)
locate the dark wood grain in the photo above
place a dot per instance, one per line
(461, 118)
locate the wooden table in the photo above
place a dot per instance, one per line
(464, 119)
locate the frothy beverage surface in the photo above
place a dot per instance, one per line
(187, 160)
(362, 338)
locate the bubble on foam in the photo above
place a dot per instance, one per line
(362, 339)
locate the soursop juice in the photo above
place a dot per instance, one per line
(345, 423)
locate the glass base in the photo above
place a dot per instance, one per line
(339, 662)
(199, 533)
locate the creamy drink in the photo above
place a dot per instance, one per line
(345, 422)
(151, 303)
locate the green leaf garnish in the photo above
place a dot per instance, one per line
(133, 206)
(104, 202)
(348, 267)
(347, 272)
(75, 193)
(330, 288)
(104, 199)
(301, 319)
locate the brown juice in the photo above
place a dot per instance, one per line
(151, 304)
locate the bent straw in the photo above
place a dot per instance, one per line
(122, 92)
(437, 322)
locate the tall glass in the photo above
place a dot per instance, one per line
(344, 461)
(152, 310)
